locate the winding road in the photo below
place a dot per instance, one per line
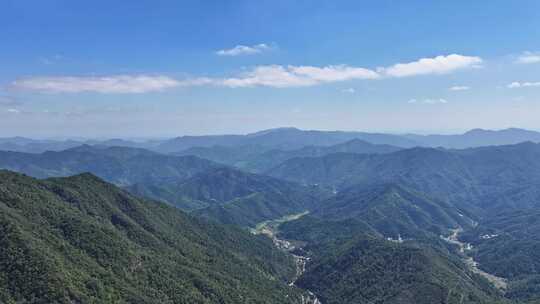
(498, 282)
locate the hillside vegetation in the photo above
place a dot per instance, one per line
(81, 240)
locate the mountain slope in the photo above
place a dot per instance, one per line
(259, 159)
(81, 240)
(27, 145)
(120, 165)
(393, 211)
(234, 197)
(466, 178)
(252, 209)
(367, 269)
(508, 245)
(477, 138)
(283, 138)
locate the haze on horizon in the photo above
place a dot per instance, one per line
(124, 69)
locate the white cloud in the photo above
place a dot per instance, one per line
(333, 73)
(349, 91)
(459, 88)
(436, 65)
(515, 85)
(244, 50)
(271, 76)
(528, 58)
(276, 76)
(14, 111)
(296, 76)
(105, 84)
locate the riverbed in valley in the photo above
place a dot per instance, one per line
(453, 238)
(270, 229)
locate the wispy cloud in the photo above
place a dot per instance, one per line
(528, 58)
(296, 76)
(276, 76)
(349, 91)
(13, 111)
(105, 84)
(516, 85)
(459, 88)
(428, 101)
(436, 65)
(244, 50)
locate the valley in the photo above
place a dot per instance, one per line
(498, 282)
(270, 229)
(269, 152)
(352, 222)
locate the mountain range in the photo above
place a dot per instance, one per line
(259, 158)
(231, 196)
(467, 178)
(120, 165)
(82, 240)
(349, 220)
(285, 139)
(186, 182)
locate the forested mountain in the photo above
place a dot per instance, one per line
(259, 158)
(508, 245)
(393, 211)
(269, 152)
(283, 139)
(258, 207)
(477, 138)
(82, 240)
(120, 165)
(238, 156)
(234, 197)
(280, 139)
(27, 145)
(380, 244)
(292, 138)
(466, 178)
(186, 182)
(371, 207)
(368, 269)
(498, 186)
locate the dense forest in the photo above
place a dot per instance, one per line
(349, 222)
(82, 240)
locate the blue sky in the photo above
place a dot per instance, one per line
(168, 68)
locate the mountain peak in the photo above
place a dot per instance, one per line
(477, 131)
(275, 130)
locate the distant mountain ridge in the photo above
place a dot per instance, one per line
(466, 177)
(393, 210)
(478, 138)
(286, 139)
(283, 138)
(186, 182)
(256, 158)
(231, 196)
(120, 165)
(27, 145)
